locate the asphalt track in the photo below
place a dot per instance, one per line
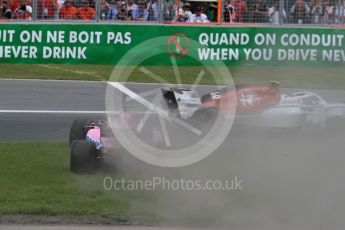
(27, 96)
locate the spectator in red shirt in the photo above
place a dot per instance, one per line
(10, 7)
(68, 11)
(46, 9)
(241, 8)
(24, 11)
(85, 12)
(13, 4)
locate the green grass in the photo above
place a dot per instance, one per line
(35, 179)
(58, 72)
(332, 77)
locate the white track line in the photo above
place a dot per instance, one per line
(51, 80)
(56, 111)
(68, 112)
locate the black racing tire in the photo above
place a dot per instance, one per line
(78, 131)
(83, 156)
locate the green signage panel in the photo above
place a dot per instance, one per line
(189, 45)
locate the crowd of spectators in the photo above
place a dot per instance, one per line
(269, 11)
(47, 9)
(17, 9)
(129, 11)
(293, 12)
(233, 11)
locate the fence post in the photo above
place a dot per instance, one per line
(281, 12)
(98, 10)
(220, 11)
(34, 13)
(161, 11)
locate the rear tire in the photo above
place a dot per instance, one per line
(83, 156)
(78, 131)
